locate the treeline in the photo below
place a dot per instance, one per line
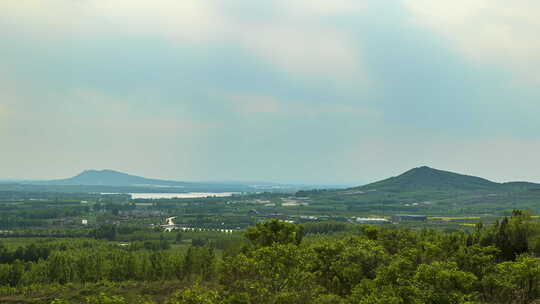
(36, 217)
(110, 264)
(377, 265)
(324, 227)
(29, 253)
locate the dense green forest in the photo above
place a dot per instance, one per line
(279, 262)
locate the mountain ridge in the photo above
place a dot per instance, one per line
(426, 178)
(114, 178)
(108, 177)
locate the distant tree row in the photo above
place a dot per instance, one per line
(378, 265)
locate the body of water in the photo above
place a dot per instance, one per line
(179, 195)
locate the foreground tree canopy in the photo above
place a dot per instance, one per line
(278, 263)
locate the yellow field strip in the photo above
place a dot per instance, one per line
(454, 217)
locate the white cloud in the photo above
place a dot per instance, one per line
(320, 8)
(311, 51)
(295, 39)
(487, 31)
(301, 41)
(189, 20)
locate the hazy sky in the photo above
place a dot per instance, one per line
(314, 91)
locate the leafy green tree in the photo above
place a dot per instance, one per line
(340, 265)
(396, 240)
(123, 266)
(91, 266)
(35, 273)
(61, 268)
(515, 282)
(329, 299)
(107, 232)
(195, 294)
(199, 262)
(512, 235)
(368, 293)
(395, 278)
(274, 231)
(267, 273)
(159, 266)
(477, 260)
(15, 273)
(237, 298)
(179, 237)
(444, 283)
(102, 298)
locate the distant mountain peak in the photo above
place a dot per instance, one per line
(421, 169)
(425, 170)
(112, 178)
(427, 178)
(102, 171)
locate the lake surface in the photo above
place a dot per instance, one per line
(179, 195)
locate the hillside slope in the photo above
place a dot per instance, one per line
(429, 179)
(112, 178)
(426, 190)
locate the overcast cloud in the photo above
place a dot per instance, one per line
(305, 91)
